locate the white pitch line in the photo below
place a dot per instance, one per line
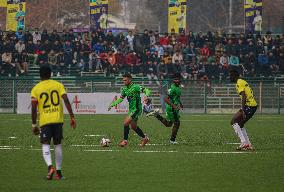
(111, 150)
(155, 151)
(192, 152)
(7, 146)
(85, 145)
(157, 144)
(94, 135)
(233, 143)
(218, 152)
(101, 150)
(10, 148)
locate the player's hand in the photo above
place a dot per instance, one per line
(73, 123)
(35, 130)
(109, 108)
(181, 106)
(243, 114)
(176, 107)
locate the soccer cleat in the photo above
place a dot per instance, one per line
(173, 142)
(249, 147)
(123, 143)
(244, 147)
(59, 175)
(144, 141)
(50, 173)
(153, 113)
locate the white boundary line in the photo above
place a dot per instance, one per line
(233, 143)
(94, 135)
(8, 146)
(135, 151)
(12, 137)
(185, 152)
(86, 145)
(157, 144)
(102, 150)
(220, 152)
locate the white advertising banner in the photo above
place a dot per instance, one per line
(82, 103)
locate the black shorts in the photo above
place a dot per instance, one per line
(249, 112)
(51, 131)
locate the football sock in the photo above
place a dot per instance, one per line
(139, 132)
(126, 132)
(175, 131)
(238, 131)
(244, 131)
(163, 120)
(58, 156)
(46, 154)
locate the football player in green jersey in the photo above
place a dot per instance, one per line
(173, 105)
(132, 91)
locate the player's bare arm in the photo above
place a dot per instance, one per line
(35, 128)
(244, 98)
(69, 108)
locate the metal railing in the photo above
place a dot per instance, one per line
(197, 96)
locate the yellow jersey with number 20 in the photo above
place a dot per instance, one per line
(241, 86)
(48, 94)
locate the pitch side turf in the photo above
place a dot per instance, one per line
(204, 160)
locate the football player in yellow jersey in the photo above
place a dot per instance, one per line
(46, 98)
(249, 106)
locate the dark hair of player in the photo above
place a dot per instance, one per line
(234, 75)
(45, 72)
(127, 75)
(177, 76)
(234, 72)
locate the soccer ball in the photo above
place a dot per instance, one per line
(105, 142)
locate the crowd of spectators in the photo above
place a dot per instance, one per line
(195, 56)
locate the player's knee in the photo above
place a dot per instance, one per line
(177, 123)
(126, 123)
(169, 124)
(133, 127)
(57, 142)
(45, 142)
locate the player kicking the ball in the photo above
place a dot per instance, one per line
(46, 97)
(173, 105)
(246, 112)
(132, 91)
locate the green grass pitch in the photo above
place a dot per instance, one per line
(204, 160)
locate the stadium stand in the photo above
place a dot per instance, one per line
(198, 56)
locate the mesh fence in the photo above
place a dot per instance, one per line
(197, 96)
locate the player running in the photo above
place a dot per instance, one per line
(46, 97)
(173, 105)
(246, 112)
(132, 92)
